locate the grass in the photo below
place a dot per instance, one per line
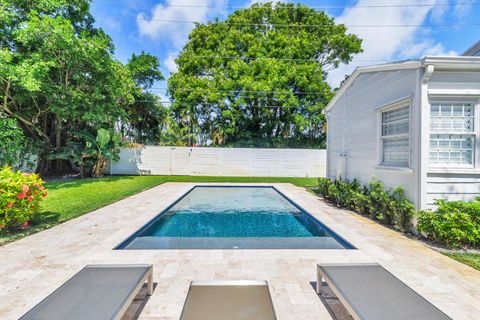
(470, 259)
(70, 199)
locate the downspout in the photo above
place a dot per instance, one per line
(423, 138)
(344, 138)
(428, 73)
(327, 152)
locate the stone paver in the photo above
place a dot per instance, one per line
(33, 267)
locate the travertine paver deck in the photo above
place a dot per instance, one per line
(33, 267)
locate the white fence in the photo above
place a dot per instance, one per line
(221, 162)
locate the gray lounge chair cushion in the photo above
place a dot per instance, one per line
(95, 292)
(232, 300)
(374, 293)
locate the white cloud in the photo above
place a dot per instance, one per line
(112, 23)
(387, 44)
(170, 63)
(177, 32)
(462, 8)
(415, 48)
(163, 97)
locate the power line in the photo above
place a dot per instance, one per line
(240, 91)
(316, 25)
(212, 104)
(445, 4)
(270, 58)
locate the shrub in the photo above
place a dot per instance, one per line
(20, 197)
(388, 207)
(403, 210)
(91, 154)
(15, 148)
(454, 223)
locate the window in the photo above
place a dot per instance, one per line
(452, 134)
(395, 137)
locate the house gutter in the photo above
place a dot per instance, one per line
(451, 62)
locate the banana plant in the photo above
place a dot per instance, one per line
(92, 153)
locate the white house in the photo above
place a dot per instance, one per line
(411, 123)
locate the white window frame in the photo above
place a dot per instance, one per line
(476, 131)
(404, 102)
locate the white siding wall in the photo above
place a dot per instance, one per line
(353, 125)
(335, 142)
(452, 184)
(221, 162)
(452, 187)
(358, 125)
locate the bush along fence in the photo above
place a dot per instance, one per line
(389, 207)
(454, 223)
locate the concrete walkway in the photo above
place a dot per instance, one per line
(33, 267)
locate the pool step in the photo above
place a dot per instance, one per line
(143, 243)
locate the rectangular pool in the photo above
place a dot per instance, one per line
(214, 217)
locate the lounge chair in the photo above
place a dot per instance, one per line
(232, 300)
(95, 292)
(369, 292)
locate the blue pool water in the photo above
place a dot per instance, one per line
(234, 217)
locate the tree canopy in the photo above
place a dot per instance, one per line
(145, 117)
(58, 74)
(259, 77)
(256, 79)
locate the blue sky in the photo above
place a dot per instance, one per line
(133, 26)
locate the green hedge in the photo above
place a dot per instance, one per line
(390, 207)
(454, 223)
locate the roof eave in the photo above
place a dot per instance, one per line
(410, 64)
(472, 50)
(440, 63)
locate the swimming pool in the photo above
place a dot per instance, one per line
(218, 217)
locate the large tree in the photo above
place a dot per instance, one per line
(58, 74)
(259, 77)
(146, 117)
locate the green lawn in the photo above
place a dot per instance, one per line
(471, 259)
(70, 199)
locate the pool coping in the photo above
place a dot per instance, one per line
(346, 244)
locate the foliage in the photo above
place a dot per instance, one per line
(146, 120)
(251, 78)
(146, 117)
(144, 70)
(20, 197)
(390, 207)
(454, 223)
(92, 152)
(70, 199)
(15, 148)
(58, 74)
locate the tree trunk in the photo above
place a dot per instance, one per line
(59, 165)
(99, 167)
(47, 166)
